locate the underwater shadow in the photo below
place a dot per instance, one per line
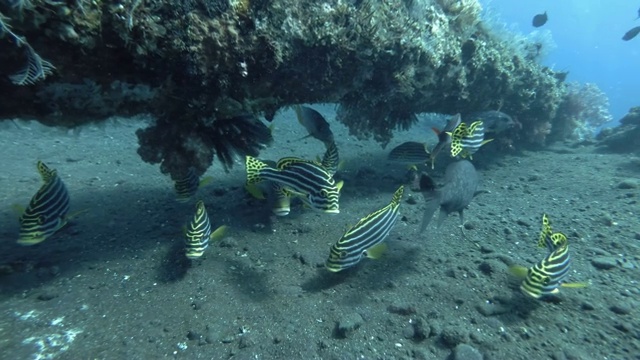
(174, 265)
(367, 274)
(252, 284)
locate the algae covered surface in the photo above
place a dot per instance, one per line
(115, 283)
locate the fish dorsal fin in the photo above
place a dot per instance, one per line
(286, 161)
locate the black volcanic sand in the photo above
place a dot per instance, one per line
(115, 284)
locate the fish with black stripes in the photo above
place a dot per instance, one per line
(198, 234)
(307, 180)
(444, 137)
(188, 184)
(547, 276)
(467, 139)
(47, 210)
(365, 239)
(331, 159)
(409, 153)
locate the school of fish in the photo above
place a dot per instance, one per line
(312, 182)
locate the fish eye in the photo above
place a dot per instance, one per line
(343, 254)
(324, 192)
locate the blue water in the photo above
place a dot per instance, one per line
(588, 35)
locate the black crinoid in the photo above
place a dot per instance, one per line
(180, 145)
(237, 137)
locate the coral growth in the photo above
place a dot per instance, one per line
(583, 109)
(381, 61)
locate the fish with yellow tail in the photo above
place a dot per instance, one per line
(188, 184)
(198, 233)
(547, 276)
(47, 210)
(365, 239)
(467, 139)
(444, 137)
(307, 180)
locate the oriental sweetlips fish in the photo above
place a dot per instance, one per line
(545, 277)
(331, 159)
(198, 233)
(365, 238)
(47, 210)
(466, 140)
(410, 153)
(460, 187)
(305, 179)
(444, 137)
(187, 185)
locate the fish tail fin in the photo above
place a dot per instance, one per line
(432, 199)
(254, 168)
(441, 217)
(432, 204)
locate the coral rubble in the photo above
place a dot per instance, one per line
(623, 138)
(215, 61)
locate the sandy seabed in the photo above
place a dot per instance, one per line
(114, 284)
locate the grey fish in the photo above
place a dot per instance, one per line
(315, 124)
(461, 185)
(444, 137)
(494, 121)
(539, 20)
(631, 33)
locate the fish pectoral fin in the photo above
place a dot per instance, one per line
(205, 181)
(518, 271)
(339, 185)
(254, 191)
(376, 251)
(486, 141)
(576, 285)
(74, 215)
(18, 209)
(218, 233)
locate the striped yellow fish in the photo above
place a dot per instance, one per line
(198, 234)
(331, 159)
(305, 179)
(365, 238)
(47, 210)
(188, 184)
(545, 277)
(410, 153)
(466, 140)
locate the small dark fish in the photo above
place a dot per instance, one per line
(315, 123)
(494, 121)
(461, 185)
(444, 137)
(539, 19)
(631, 33)
(410, 153)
